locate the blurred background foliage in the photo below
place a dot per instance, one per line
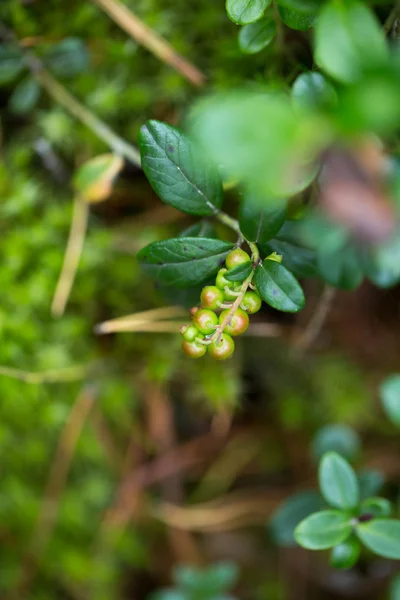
(119, 458)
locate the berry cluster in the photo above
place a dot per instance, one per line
(214, 332)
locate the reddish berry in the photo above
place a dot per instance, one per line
(189, 332)
(238, 323)
(251, 302)
(236, 257)
(223, 349)
(194, 349)
(205, 320)
(211, 296)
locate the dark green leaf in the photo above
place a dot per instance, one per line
(323, 530)
(11, 63)
(378, 507)
(278, 287)
(312, 91)
(68, 58)
(25, 96)
(297, 257)
(338, 482)
(336, 438)
(261, 219)
(346, 554)
(256, 36)
(183, 262)
(348, 38)
(382, 536)
(240, 272)
(201, 229)
(206, 583)
(340, 266)
(370, 482)
(246, 11)
(177, 171)
(293, 510)
(302, 6)
(296, 19)
(390, 397)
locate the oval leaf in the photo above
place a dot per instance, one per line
(338, 482)
(177, 171)
(390, 397)
(25, 96)
(93, 180)
(340, 267)
(254, 37)
(11, 63)
(240, 272)
(261, 220)
(183, 262)
(378, 507)
(311, 90)
(323, 530)
(68, 58)
(246, 11)
(296, 19)
(382, 536)
(290, 513)
(336, 438)
(346, 554)
(278, 287)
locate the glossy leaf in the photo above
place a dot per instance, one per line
(203, 228)
(378, 507)
(346, 554)
(177, 171)
(261, 220)
(323, 530)
(183, 262)
(336, 438)
(296, 19)
(242, 12)
(390, 397)
(94, 179)
(240, 272)
(69, 58)
(254, 37)
(348, 38)
(311, 91)
(25, 96)
(289, 514)
(11, 63)
(382, 536)
(278, 287)
(338, 482)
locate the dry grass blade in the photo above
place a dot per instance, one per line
(53, 376)
(150, 40)
(137, 319)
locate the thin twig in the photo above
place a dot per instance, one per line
(390, 21)
(309, 335)
(71, 257)
(150, 40)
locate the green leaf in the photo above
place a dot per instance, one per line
(183, 262)
(323, 530)
(395, 589)
(312, 91)
(370, 482)
(169, 594)
(382, 264)
(348, 39)
(382, 536)
(346, 554)
(260, 220)
(240, 272)
(302, 6)
(242, 12)
(278, 287)
(201, 229)
(340, 266)
(289, 514)
(11, 63)
(177, 171)
(94, 179)
(206, 583)
(390, 397)
(25, 96)
(296, 19)
(338, 482)
(68, 58)
(297, 257)
(378, 507)
(256, 36)
(336, 438)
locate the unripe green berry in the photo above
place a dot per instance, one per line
(211, 296)
(235, 258)
(223, 349)
(346, 554)
(251, 302)
(194, 349)
(205, 320)
(221, 282)
(238, 323)
(189, 332)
